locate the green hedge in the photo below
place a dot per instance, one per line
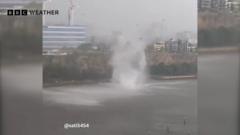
(173, 69)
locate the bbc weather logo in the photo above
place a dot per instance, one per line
(26, 12)
(17, 12)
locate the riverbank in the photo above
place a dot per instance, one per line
(180, 77)
(86, 82)
(73, 82)
(216, 50)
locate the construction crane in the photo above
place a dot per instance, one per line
(71, 12)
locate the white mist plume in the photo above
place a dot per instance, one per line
(129, 63)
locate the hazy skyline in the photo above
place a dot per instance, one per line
(129, 16)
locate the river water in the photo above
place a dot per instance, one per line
(218, 87)
(158, 108)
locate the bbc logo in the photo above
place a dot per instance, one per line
(17, 12)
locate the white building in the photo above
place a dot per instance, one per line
(233, 5)
(191, 48)
(57, 38)
(159, 46)
(205, 4)
(60, 37)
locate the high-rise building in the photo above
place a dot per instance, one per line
(218, 4)
(204, 4)
(233, 5)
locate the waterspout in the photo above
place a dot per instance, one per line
(129, 63)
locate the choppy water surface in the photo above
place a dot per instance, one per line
(218, 94)
(159, 107)
(112, 110)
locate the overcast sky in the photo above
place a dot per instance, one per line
(129, 16)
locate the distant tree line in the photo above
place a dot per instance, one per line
(173, 69)
(21, 36)
(56, 73)
(79, 66)
(216, 29)
(222, 36)
(94, 65)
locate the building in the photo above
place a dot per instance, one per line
(218, 4)
(204, 4)
(233, 5)
(171, 46)
(211, 4)
(185, 46)
(191, 48)
(182, 46)
(63, 37)
(159, 46)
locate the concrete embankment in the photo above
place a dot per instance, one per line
(73, 82)
(180, 77)
(216, 50)
(85, 82)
